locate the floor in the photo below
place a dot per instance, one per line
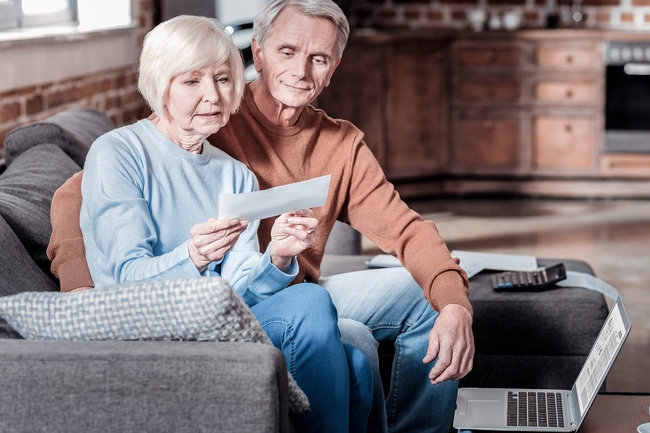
(612, 236)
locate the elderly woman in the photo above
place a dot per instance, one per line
(150, 193)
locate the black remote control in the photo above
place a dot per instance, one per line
(530, 280)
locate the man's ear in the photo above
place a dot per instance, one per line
(257, 55)
(336, 65)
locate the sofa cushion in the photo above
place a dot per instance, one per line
(202, 309)
(142, 387)
(18, 272)
(26, 190)
(73, 130)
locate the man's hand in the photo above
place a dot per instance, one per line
(292, 233)
(452, 341)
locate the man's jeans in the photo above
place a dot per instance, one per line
(302, 322)
(391, 304)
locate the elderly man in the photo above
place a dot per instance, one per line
(424, 308)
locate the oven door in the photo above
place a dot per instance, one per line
(627, 103)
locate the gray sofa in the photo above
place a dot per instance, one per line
(110, 386)
(522, 339)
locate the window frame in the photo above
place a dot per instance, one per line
(12, 16)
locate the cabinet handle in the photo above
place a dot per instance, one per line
(569, 58)
(568, 128)
(569, 93)
(489, 56)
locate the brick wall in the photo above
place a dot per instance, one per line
(114, 91)
(600, 14)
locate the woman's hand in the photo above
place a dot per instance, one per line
(292, 233)
(212, 239)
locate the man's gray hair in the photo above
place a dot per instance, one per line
(263, 25)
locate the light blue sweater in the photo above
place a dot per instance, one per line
(141, 195)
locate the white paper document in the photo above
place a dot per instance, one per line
(470, 267)
(587, 281)
(270, 202)
(498, 262)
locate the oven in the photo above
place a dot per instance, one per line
(627, 97)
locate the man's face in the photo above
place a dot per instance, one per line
(298, 58)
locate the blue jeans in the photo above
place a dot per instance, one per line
(392, 306)
(302, 322)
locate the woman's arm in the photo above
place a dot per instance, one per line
(118, 229)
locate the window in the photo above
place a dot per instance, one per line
(101, 36)
(32, 13)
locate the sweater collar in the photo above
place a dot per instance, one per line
(248, 103)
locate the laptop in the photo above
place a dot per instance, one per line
(546, 410)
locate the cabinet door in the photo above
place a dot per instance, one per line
(357, 93)
(565, 142)
(486, 143)
(417, 110)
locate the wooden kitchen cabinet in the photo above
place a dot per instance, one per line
(527, 74)
(394, 88)
(417, 110)
(488, 89)
(457, 112)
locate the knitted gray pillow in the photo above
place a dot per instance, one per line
(201, 309)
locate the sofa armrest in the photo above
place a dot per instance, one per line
(161, 386)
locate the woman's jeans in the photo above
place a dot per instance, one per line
(388, 305)
(302, 322)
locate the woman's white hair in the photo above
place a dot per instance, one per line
(263, 24)
(182, 44)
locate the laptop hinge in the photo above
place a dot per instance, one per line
(573, 414)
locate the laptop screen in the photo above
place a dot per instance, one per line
(602, 354)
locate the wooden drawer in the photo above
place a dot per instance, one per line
(488, 56)
(564, 142)
(569, 58)
(488, 90)
(625, 165)
(585, 92)
(486, 143)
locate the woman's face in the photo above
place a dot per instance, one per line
(200, 102)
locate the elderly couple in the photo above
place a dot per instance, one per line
(149, 196)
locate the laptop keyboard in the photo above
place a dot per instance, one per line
(535, 409)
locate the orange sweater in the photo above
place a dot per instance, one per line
(359, 195)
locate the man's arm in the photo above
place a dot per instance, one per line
(399, 230)
(66, 249)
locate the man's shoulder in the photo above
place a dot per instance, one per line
(331, 125)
